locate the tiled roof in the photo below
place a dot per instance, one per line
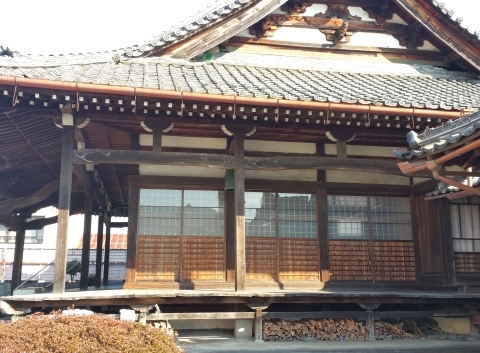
(445, 188)
(440, 137)
(475, 32)
(418, 86)
(213, 14)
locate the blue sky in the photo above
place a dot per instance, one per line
(60, 26)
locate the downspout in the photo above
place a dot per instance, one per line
(226, 99)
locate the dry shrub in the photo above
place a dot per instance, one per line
(95, 333)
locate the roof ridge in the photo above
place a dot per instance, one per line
(459, 20)
(212, 14)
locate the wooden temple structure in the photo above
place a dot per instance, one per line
(252, 149)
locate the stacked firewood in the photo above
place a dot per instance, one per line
(310, 330)
(386, 331)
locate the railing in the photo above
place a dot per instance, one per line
(43, 268)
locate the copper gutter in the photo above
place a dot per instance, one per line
(225, 99)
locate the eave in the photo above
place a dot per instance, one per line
(448, 33)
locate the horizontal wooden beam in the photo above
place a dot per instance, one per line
(40, 223)
(227, 162)
(322, 23)
(200, 316)
(118, 224)
(8, 206)
(9, 221)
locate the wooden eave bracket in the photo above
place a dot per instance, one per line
(296, 7)
(11, 205)
(381, 12)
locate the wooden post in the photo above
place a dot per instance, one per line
(18, 257)
(240, 262)
(230, 224)
(87, 230)
(98, 261)
(341, 149)
(157, 140)
(230, 235)
(65, 194)
(371, 325)
(322, 218)
(106, 263)
(445, 227)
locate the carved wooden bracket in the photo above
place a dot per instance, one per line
(414, 38)
(268, 25)
(296, 7)
(381, 11)
(337, 11)
(338, 35)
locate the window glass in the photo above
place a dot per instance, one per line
(177, 212)
(465, 220)
(387, 219)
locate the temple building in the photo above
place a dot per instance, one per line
(266, 152)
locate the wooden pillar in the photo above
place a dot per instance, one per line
(341, 149)
(229, 223)
(240, 262)
(157, 140)
(445, 227)
(322, 218)
(18, 257)
(87, 230)
(230, 234)
(65, 194)
(133, 195)
(98, 261)
(106, 263)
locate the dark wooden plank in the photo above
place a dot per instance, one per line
(415, 235)
(239, 192)
(64, 199)
(118, 224)
(372, 189)
(133, 197)
(99, 252)
(87, 230)
(18, 258)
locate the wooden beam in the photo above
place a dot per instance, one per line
(18, 258)
(8, 206)
(227, 161)
(87, 230)
(322, 23)
(64, 200)
(9, 221)
(239, 192)
(200, 316)
(40, 223)
(119, 224)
